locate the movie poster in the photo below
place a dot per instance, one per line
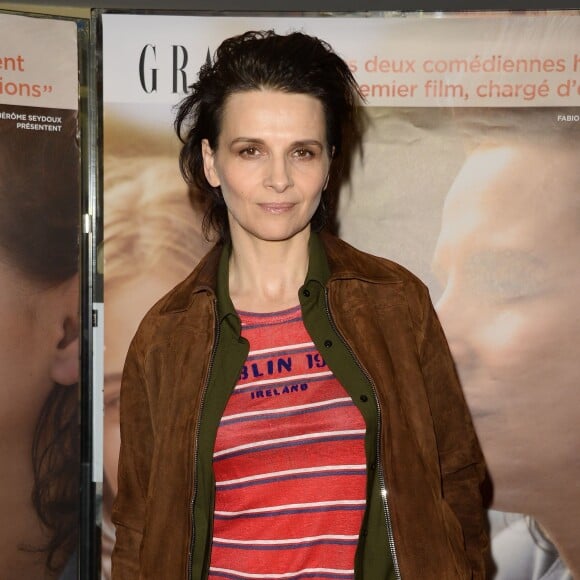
(469, 178)
(39, 298)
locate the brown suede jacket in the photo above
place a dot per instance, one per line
(425, 518)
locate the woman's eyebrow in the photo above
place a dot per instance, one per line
(308, 143)
(298, 143)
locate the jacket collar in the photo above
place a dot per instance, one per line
(224, 302)
(329, 259)
(203, 280)
(346, 262)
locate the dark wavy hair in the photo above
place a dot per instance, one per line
(257, 60)
(39, 217)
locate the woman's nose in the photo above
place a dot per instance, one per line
(278, 175)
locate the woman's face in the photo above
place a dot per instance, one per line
(38, 347)
(272, 163)
(31, 330)
(507, 256)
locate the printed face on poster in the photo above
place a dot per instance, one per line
(469, 179)
(39, 298)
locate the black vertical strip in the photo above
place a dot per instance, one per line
(89, 537)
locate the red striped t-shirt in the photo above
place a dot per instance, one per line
(289, 462)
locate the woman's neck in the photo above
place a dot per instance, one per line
(265, 276)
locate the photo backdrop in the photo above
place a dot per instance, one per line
(39, 298)
(470, 178)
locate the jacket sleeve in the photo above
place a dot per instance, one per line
(134, 465)
(461, 460)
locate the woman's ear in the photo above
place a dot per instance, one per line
(65, 366)
(209, 168)
(329, 168)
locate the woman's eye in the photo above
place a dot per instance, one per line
(250, 152)
(303, 153)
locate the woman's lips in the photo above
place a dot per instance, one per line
(277, 208)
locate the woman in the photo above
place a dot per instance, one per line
(290, 409)
(151, 239)
(39, 423)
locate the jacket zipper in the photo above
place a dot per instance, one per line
(382, 484)
(196, 439)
